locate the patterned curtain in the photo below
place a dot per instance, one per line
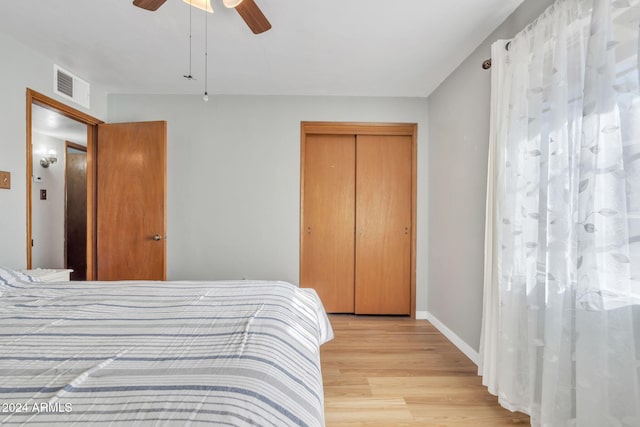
(561, 325)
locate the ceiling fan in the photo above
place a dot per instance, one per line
(248, 10)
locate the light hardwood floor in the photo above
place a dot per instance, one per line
(391, 371)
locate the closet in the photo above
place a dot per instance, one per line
(357, 230)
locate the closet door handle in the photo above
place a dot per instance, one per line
(406, 230)
(157, 237)
(308, 230)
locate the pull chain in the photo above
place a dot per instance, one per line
(189, 76)
(206, 59)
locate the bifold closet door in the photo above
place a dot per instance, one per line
(383, 224)
(328, 210)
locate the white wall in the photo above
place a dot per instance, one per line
(458, 146)
(234, 177)
(24, 68)
(47, 216)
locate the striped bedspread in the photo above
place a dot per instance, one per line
(235, 353)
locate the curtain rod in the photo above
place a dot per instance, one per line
(486, 64)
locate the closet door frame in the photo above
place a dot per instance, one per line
(359, 128)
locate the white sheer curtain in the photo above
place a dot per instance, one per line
(561, 323)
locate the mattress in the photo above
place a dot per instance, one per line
(232, 353)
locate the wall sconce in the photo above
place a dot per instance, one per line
(50, 159)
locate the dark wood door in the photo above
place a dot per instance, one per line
(131, 201)
(76, 211)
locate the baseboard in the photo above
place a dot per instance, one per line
(450, 335)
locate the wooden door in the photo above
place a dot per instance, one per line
(131, 201)
(383, 224)
(75, 240)
(327, 233)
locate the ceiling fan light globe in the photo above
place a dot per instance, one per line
(231, 3)
(200, 4)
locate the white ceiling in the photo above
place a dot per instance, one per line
(51, 123)
(316, 47)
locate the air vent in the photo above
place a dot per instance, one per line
(70, 86)
(65, 83)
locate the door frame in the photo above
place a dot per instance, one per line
(365, 128)
(92, 123)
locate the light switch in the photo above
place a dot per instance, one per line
(43, 194)
(5, 180)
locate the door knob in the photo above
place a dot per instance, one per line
(157, 237)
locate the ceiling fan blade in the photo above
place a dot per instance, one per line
(253, 16)
(149, 4)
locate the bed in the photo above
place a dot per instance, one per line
(233, 353)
